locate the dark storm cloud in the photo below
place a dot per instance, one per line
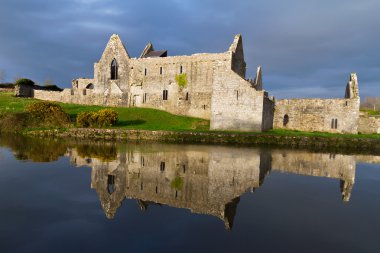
(306, 48)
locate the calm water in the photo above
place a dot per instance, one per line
(102, 197)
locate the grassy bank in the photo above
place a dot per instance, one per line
(129, 118)
(151, 119)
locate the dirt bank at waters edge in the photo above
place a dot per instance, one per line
(310, 142)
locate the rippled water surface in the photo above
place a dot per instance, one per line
(75, 196)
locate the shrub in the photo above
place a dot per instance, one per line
(24, 81)
(13, 122)
(47, 114)
(181, 80)
(102, 118)
(107, 117)
(84, 119)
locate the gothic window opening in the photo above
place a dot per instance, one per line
(187, 95)
(156, 189)
(162, 166)
(285, 120)
(204, 107)
(180, 69)
(160, 70)
(165, 94)
(114, 70)
(111, 184)
(184, 168)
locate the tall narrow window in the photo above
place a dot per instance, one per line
(144, 98)
(142, 159)
(285, 120)
(165, 94)
(145, 72)
(160, 70)
(162, 166)
(113, 69)
(180, 69)
(336, 124)
(111, 184)
(187, 95)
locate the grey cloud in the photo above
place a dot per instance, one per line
(306, 48)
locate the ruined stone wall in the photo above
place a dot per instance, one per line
(102, 69)
(235, 104)
(369, 124)
(317, 115)
(268, 113)
(79, 96)
(24, 91)
(82, 83)
(194, 99)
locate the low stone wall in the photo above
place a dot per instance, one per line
(317, 115)
(7, 89)
(369, 124)
(84, 97)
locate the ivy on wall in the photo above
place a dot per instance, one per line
(181, 80)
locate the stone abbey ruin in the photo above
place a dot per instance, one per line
(209, 86)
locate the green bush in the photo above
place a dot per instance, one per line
(47, 114)
(102, 118)
(181, 80)
(13, 122)
(24, 81)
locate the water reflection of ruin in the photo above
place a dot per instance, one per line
(206, 180)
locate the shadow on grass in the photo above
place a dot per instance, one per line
(131, 122)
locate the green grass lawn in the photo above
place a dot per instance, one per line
(371, 112)
(129, 118)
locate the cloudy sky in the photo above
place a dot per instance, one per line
(306, 48)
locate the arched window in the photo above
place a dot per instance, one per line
(113, 69)
(286, 120)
